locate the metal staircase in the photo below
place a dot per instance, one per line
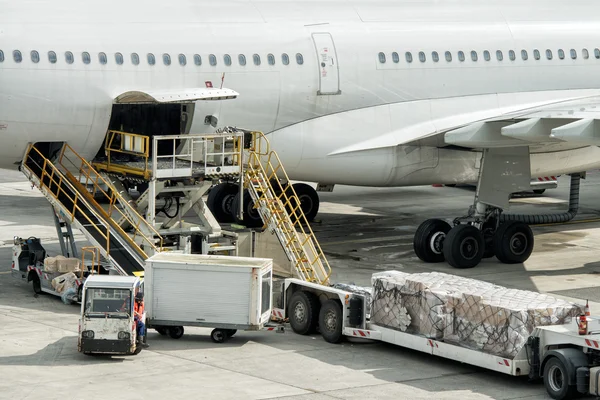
(280, 210)
(74, 189)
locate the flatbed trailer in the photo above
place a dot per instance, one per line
(568, 362)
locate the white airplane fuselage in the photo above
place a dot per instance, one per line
(347, 137)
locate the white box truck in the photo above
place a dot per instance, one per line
(222, 292)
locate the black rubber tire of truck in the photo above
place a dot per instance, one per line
(429, 238)
(556, 380)
(161, 330)
(305, 305)
(513, 242)
(231, 332)
(219, 335)
(37, 285)
(330, 321)
(175, 332)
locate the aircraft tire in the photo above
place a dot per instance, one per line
(309, 200)
(464, 246)
(429, 239)
(513, 242)
(252, 218)
(220, 201)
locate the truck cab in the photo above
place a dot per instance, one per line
(107, 324)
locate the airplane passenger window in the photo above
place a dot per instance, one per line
(536, 54)
(182, 60)
(395, 58)
(408, 56)
(102, 58)
(573, 54)
(1, 56)
(17, 56)
(286, 60)
(227, 59)
(511, 55)
(35, 56)
(549, 54)
(435, 56)
(299, 59)
(561, 54)
(119, 58)
(585, 53)
(151, 59)
(271, 59)
(86, 58)
(461, 56)
(499, 55)
(256, 59)
(524, 55)
(212, 60)
(448, 56)
(422, 57)
(166, 59)
(69, 57)
(473, 55)
(381, 58)
(242, 59)
(197, 59)
(486, 55)
(135, 59)
(597, 53)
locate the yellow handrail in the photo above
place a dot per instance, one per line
(131, 141)
(93, 177)
(95, 258)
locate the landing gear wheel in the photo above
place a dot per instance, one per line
(489, 231)
(220, 200)
(162, 331)
(303, 311)
(330, 321)
(464, 246)
(309, 200)
(37, 285)
(429, 238)
(556, 380)
(252, 218)
(175, 332)
(219, 335)
(513, 242)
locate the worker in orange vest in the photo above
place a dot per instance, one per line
(138, 313)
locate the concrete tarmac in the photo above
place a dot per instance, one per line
(362, 230)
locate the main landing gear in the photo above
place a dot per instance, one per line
(224, 202)
(473, 238)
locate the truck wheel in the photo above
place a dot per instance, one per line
(464, 246)
(556, 380)
(303, 311)
(162, 331)
(429, 238)
(37, 284)
(219, 335)
(513, 242)
(176, 332)
(330, 321)
(231, 332)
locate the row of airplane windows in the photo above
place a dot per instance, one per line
(487, 56)
(135, 58)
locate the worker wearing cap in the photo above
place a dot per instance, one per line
(138, 313)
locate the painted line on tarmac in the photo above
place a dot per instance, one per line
(4, 272)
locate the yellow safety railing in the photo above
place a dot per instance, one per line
(265, 172)
(126, 143)
(72, 162)
(95, 251)
(51, 179)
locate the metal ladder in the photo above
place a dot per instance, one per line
(279, 208)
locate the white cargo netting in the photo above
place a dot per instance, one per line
(475, 314)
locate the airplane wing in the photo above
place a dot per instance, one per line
(175, 96)
(551, 126)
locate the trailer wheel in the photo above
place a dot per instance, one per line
(162, 330)
(330, 321)
(556, 380)
(219, 335)
(513, 242)
(304, 312)
(429, 238)
(176, 332)
(37, 284)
